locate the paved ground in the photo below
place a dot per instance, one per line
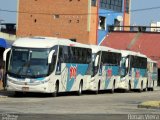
(94, 105)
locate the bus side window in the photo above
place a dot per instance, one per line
(60, 60)
(60, 57)
(80, 55)
(71, 54)
(89, 56)
(65, 54)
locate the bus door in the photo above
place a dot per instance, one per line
(61, 68)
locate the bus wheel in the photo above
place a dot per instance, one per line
(80, 88)
(113, 88)
(146, 89)
(141, 89)
(152, 89)
(18, 94)
(98, 89)
(55, 94)
(129, 86)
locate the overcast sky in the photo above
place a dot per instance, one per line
(139, 17)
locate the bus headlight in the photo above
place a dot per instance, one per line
(45, 81)
(10, 80)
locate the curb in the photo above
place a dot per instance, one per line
(3, 96)
(150, 105)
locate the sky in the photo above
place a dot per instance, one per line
(9, 5)
(137, 17)
(147, 16)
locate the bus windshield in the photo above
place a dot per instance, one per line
(30, 63)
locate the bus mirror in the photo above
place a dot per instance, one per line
(120, 63)
(5, 54)
(127, 61)
(96, 60)
(50, 56)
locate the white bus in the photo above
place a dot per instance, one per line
(106, 68)
(133, 71)
(152, 74)
(47, 65)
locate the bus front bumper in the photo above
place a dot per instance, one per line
(122, 85)
(41, 88)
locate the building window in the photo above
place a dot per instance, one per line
(70, 21)
(115, 5)
(127, 6)
(93, 3)
(117, 24)
(56, 16)
(77, 21)
(102, 23)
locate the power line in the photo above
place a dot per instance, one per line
(41, 13)
(145, 9)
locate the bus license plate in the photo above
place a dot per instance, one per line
(25, 88)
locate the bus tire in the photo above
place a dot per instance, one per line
(129, 86)
(113, 87)
(146, 89)
(152, 89)
(80, 88)
(141, 88)
(18, 94)
(98, 88)
(55, 94)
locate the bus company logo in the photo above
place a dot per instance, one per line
(73, 72)
(109, 73)
(137, 74)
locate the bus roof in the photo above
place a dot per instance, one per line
(150, 60)
(127, 52)
(45, 42)
(96, 48)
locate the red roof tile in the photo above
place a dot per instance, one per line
(147, 43)
(119, 40)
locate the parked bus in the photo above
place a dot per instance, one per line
(133, 71)
(106, 68)
(152, 74)
(47, 65)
